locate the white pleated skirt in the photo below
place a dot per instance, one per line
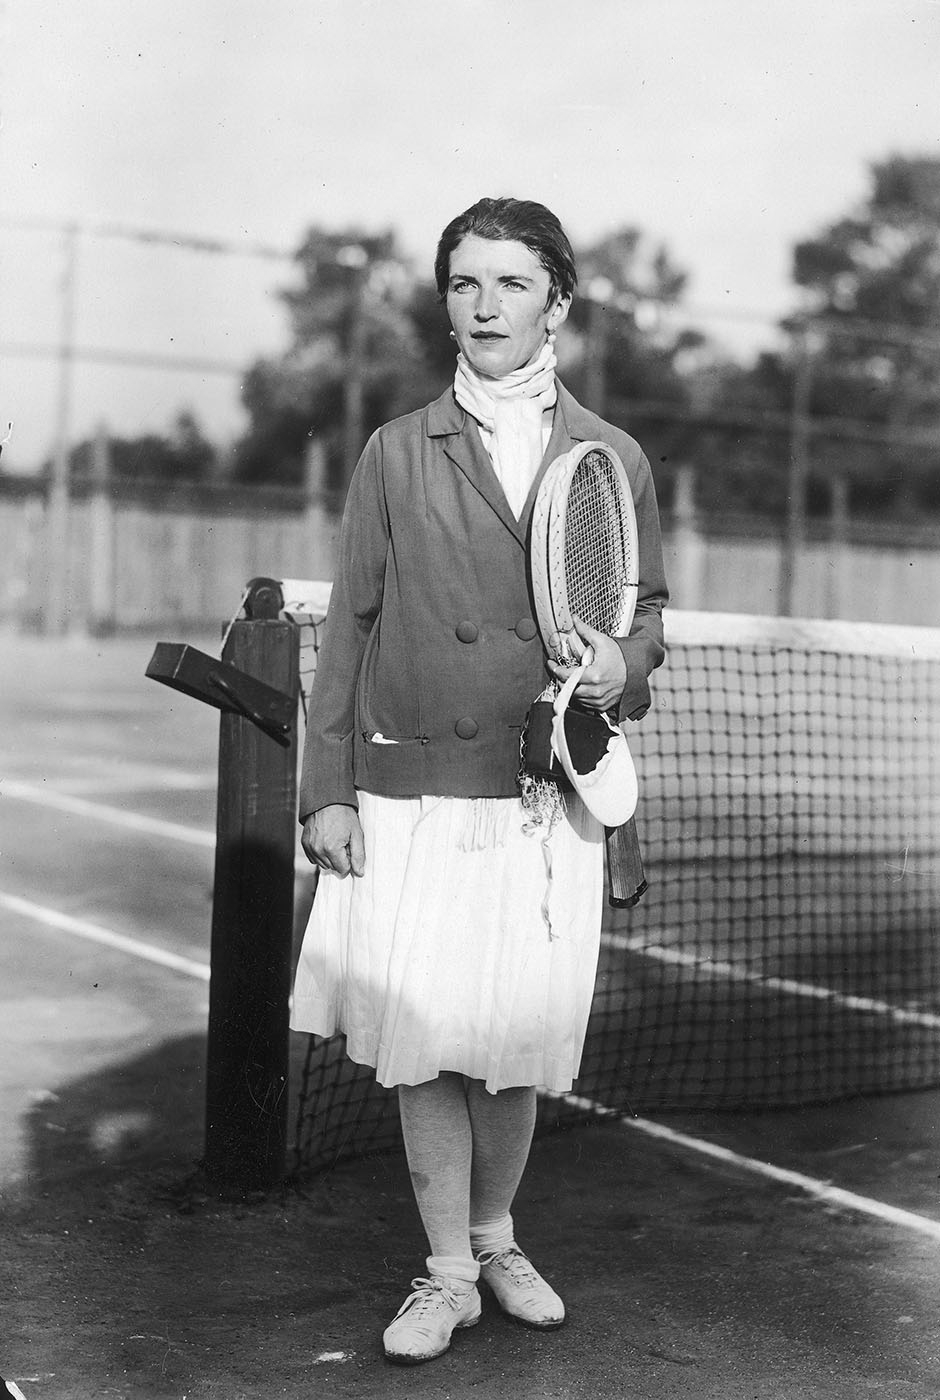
(468, 944)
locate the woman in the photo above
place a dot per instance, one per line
(456, 965)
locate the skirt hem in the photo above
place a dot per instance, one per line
(521, 1073)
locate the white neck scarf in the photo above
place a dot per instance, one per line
(511, 409)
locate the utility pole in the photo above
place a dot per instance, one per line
(600, 291)
(800, 430)
(56, 612)
(355, 259)
(56, 601)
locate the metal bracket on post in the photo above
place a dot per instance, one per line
(223, 685)
(217, 683)
(255, 686)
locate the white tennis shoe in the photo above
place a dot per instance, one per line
(422, 1327)
(519, 1287)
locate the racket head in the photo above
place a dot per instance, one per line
(584, 547)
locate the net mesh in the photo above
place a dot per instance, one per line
(787, 951)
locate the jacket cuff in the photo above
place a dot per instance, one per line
(641, 656)
(319, 805)
(327, 777)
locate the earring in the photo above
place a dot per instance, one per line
(453, 335)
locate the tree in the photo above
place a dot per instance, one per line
(863, 347)
(354, 362)
(623, 345)
(623, 351)
(872, 310)
(741, 445)
(432, 328)
(185, 454)
(370, 340)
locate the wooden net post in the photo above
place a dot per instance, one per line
(252, 915)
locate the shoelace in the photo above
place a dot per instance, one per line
(428, 1293)
(519, 1268)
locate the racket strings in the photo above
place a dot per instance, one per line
(597, 545)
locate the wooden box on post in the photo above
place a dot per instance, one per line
(252, 913)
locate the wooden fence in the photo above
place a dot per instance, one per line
(155, 557)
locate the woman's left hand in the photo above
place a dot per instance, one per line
(605, 676)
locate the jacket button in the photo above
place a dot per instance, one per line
(466, 728)
(467, 631)
(525, 629)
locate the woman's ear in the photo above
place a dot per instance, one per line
(558, 313)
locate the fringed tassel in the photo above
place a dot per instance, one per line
(543, 801)
(543, 804)
(546, 899)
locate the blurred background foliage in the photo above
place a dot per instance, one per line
(858, 361)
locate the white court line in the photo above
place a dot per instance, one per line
(94, 933)
(134, 780)
(99, 811)
(197, 836)
(733, 972)
(821, 1191)
(118, 816)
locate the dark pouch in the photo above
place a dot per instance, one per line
(587, 732)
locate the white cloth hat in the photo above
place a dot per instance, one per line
(608, 786)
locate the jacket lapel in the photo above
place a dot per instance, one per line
(462, 444)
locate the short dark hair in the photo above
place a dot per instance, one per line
(520, 221)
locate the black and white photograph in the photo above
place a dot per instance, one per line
(470, 656)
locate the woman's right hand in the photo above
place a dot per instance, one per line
(332, 840)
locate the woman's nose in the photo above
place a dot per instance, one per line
(487, 304)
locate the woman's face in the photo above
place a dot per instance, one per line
(497, 300)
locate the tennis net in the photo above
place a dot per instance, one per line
(787, 950)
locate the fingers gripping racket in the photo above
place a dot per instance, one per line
(584, 557)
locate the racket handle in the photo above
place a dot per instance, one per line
(626, 882)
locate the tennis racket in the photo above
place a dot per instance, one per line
(584, 558)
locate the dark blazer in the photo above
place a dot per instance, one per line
(431, 657)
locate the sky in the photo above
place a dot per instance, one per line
(727, 129)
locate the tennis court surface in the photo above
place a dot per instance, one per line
(788, 1252)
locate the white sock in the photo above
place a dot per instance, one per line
(492, 1234)
(455, 1269)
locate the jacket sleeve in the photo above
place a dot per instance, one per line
(355, 604)
(643, 650)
